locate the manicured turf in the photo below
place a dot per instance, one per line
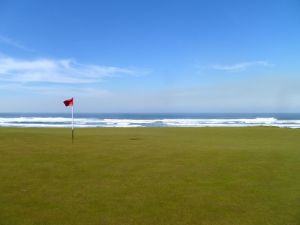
(150, 176)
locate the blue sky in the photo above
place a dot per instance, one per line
(150, 56)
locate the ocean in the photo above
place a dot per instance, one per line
(284, 120)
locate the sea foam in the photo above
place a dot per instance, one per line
(97, 122)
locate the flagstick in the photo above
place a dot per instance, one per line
(72, 124)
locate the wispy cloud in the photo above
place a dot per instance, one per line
(238, 67)
(14, 43)
(63, 71)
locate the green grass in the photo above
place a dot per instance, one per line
(150, 176)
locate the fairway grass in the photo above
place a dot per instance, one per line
(150, 176)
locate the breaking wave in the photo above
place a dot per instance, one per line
(177, 122)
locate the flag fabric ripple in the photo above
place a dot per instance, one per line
(69, 102)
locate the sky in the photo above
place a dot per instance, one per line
(147, 56)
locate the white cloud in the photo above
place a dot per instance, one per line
(64, 71)
(241, 66)
(15, 44)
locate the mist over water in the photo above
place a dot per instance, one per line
(150, 120)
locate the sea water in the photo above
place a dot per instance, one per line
(287, 120)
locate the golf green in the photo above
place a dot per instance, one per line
(150, 176)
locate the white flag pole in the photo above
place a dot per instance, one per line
(72, 123)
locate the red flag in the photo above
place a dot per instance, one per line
(68, 102)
